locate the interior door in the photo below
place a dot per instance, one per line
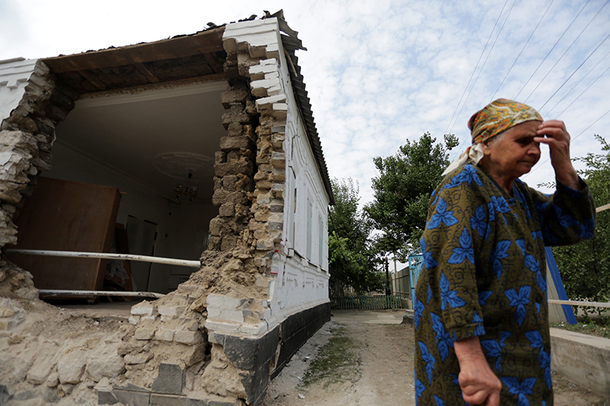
(142, 235)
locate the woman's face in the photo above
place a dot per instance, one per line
(513, 153)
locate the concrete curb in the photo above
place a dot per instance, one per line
(584, 359)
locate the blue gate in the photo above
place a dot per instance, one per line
(416, 261)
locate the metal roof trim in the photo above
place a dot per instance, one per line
(291, 45)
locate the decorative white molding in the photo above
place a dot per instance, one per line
(262, 37)
(139, 95)
(14, 77)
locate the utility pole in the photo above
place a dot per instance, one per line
(388, 291)
(395, 282)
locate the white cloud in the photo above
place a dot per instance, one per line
(377, 73)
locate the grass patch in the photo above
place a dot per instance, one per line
(337, 361)
(597, 326)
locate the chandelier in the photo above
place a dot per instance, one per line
(186, 190)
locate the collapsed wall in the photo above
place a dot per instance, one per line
(208, 343)
(31, 105)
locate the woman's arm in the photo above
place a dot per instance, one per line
(480, 386)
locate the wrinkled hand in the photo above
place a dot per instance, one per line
(480, 386)
(558, 140)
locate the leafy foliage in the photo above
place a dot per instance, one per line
(351, 262)
(402, 192)
(585, 267)
(345, 218)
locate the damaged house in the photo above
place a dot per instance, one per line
(199, 151)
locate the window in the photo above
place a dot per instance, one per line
(309, 225)
(291, 220)
(320, 241)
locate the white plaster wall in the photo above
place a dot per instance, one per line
(14, 76)
(303, 280)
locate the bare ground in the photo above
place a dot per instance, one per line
(366, 358)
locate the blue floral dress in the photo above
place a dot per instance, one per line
(484, 274)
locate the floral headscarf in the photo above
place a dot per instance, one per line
(496, 117)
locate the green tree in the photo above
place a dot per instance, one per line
(585, 267)
(345, 218)
(402, 192)
(351, 261)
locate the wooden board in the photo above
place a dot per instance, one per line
(67, 216)
(209, 41)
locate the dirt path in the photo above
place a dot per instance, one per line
(359, 358)
(365, 358)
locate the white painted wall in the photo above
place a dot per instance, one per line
(303, 280)
(182, 228)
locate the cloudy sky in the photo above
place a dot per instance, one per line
(379, 72)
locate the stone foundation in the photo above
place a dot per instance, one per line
(254, 360)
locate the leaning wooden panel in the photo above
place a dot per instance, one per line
(67, 216)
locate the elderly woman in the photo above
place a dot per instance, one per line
(481, 315)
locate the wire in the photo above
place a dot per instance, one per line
(475, 68)
(549, 53)
(561, 57)
(591, 125)
(576, 70)
(481, 70)
(522, 49)
(577, 83)
(592, 83)
(581, 133)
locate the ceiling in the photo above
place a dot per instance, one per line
(156, 136)
(151, 111)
